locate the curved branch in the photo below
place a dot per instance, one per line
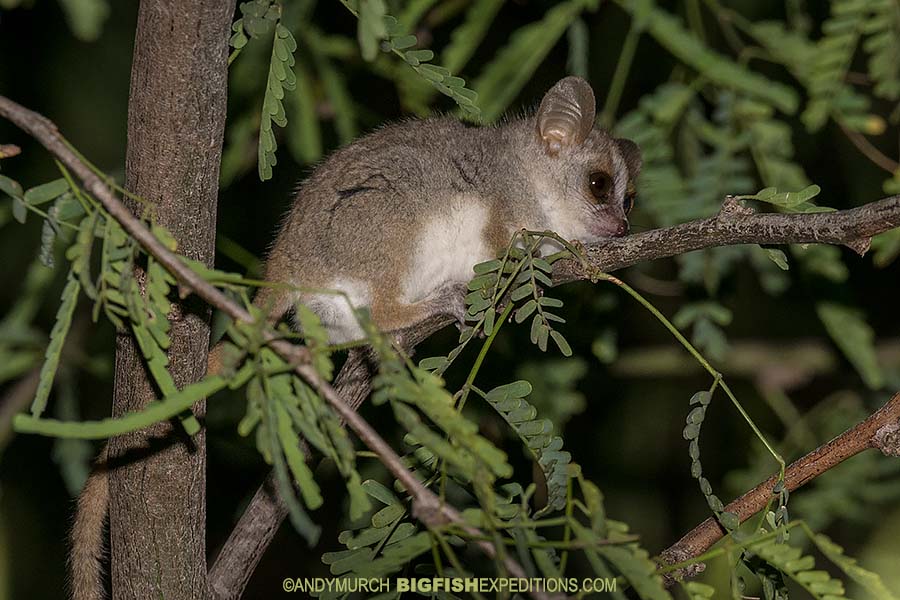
(427, 507)
(879, 430)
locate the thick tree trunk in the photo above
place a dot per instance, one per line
(176, 119)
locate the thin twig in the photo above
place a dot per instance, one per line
(426, 506)
(850, 443)
(869, 150)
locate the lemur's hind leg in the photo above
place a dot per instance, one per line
(448, 300)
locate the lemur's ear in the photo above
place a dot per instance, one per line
(566, 115)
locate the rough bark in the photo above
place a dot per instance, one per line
(176, 119)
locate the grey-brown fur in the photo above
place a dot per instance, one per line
(358, 214)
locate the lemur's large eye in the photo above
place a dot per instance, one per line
(628, 202)
(600, 185)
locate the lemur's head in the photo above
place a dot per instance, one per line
(588, 174)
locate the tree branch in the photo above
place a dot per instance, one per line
(733, 225)
(427, 507)
(879, 430)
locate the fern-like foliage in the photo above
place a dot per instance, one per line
(281, 77)
(834, 51)
(791, 561)
(866, 579)
(375, 26)
(282, 408)
(386, 546)
(260, 18)
(700, 401)
(882, 43)
(672, 35)
(512, 67)
(821, 66)
(855, 337)
(54, 348)
(509, 402)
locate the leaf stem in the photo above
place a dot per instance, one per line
(701, 359)
(617, 85)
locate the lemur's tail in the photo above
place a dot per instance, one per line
(87, 540)
(88, 549)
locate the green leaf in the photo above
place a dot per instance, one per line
(168, 407)
(280, 78)
(380, 492)
(853, 335)
(54, 348)
(465, 39)
(522, 292)
(46, 192)
(371, 27)
(303, 130)
(503, 393)
(561, 343)
(14, 190)
(524, 311)
(778, 257)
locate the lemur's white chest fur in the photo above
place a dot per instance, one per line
(446, 249)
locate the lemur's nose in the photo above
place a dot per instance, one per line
(621, 228)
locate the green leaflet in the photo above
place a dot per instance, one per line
(634, 563)
(578, 37)
(303, 132)
(73, 456)
(849, 330)
(54, 348)
(384, 547)
(821, 66)
(290, 445)
(696, 590)
(155, 412)
(299, 411)
(46, 192)
(339, 96)
(14, 190)
(513, 66)
(669, 32)
(886, 248)
(267, 434)
(371, 28)
(630, 560)
(80, 253)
